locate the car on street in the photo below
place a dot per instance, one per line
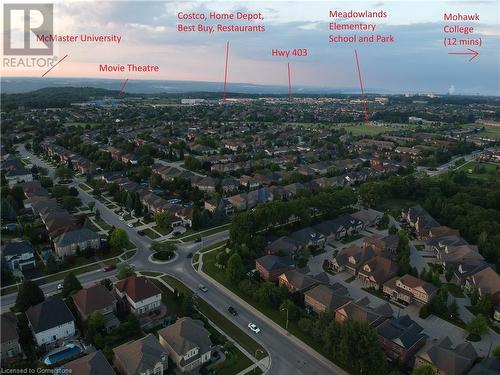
(130, 225)
(203, 288)
(122, 218)
(198, 239)
(253, 328)
(109, 267)
(141, 233)
(59, 286)
(232, 311)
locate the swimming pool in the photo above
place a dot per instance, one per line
(69, 351)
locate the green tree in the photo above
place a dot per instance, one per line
(118, 239)
(496, 352)
(51, 265)
(125, 271)
(484, 305)
(107, 283)
(63, 172)
(91, 205)
(29, 295)
(293, 310)
(478, 326)
(70, 284)
(162, 219)
(235, 268)
(70, 203)
(96, 324)
(423, 370)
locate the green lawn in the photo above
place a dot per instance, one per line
(204, 233)
(102, 224)
(129, 254)
(130, 246)
(163, 231)
(62, 275)
(489, 131)
(485, 171)
(151, 234)
(85, 187)
(235, 362)
(213, 246)
(151, 273)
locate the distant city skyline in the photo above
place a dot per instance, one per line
(416, 62)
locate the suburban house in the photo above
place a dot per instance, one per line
(187, 342)
(92, 364)
(368, 216)
(270, 267)
(96, 298)
(409, 289)
(351, 259)
(50, 321)
(9, 335)
(297, 282)
(17, 173)
(284, 246)
(486, 281)
(139, 295)
(139, 357)
(68, 242)
(326, 299)
(446, 359)
(383, 245)
(420, 219)
(19, 255)
(361, 310)
(487, 366)
(401, 338)
(308, 237)
(376, 271)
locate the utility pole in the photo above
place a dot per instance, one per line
(286, 308)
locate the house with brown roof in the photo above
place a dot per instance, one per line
(270, 267)
(351, 259)
(187, 342)
(383, 245)
(297, 282)
(284, 246)
(445, 359)
(10, 336)
(96, 298)
(325, 298)
(376, 271)
(487, 281)
(443, 231)
(92, 364)
(409, 289)
(362, 311)
(139, 295)
(420, 219)
(139, 357)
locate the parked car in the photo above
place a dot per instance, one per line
(122, 218)
(232, 311)
(203, 288)
(130, 225)
(109, 267)
(141, 233)
(253, 328)
(215, 354)
(59, 286)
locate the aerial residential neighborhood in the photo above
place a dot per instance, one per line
(242, 188)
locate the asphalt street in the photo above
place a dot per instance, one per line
(288, 356)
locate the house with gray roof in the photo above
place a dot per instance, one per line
(448, 359)
(82, 238)
(19, 255)
(143, 356)
(401, 338)
(50, 321)
(187, 342)
(270, 267)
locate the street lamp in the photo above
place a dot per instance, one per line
(256, 360)
(286, 308)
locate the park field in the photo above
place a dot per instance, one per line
(489, 131)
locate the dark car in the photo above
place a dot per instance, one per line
(232, 311)
(110, 267)
(198, 239)
(141, 233)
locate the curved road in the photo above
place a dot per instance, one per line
(288, 355)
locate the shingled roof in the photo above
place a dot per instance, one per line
(137, 288)
(50, 313)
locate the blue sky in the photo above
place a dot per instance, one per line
(416, 62)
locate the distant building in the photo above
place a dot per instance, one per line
(19, 255)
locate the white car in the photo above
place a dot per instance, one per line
(253, 328)
(59, 286)
(122, 218)
(130, 225)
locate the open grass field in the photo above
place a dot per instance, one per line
(480, 170)
(361, 128)
(489, 131)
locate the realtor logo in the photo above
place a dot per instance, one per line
(37, 19)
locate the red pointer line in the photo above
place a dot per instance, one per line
(122, 88)
(362, 89)
(472, 52)
(289, 83)
(225, 69)
(54, 66)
